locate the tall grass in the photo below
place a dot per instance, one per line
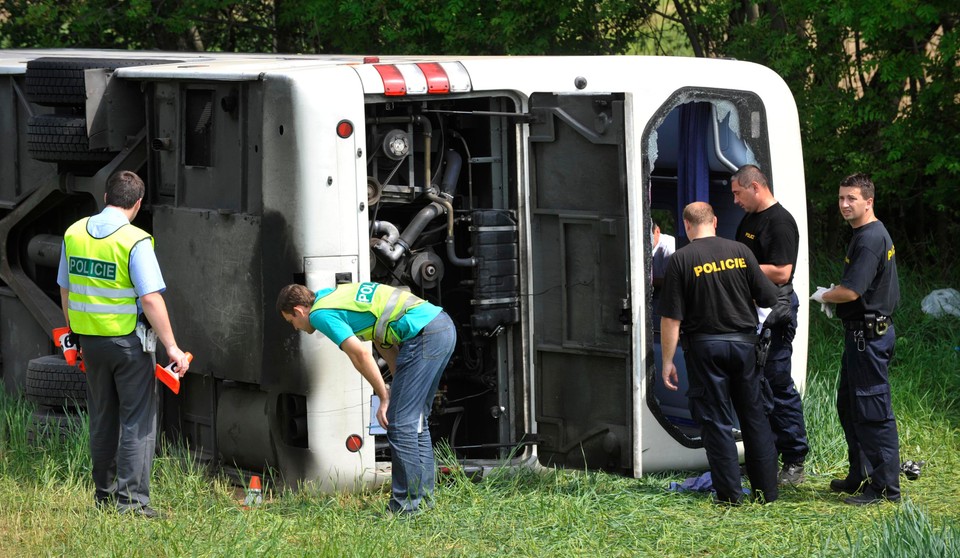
(46, 493)
(909, 532)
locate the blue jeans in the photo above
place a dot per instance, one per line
(420, 363)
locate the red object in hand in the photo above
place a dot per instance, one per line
(168, 375)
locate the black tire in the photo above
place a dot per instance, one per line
(49, 424)
(54, 383)
(60, 82)
(57, 138)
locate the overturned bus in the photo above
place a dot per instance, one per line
(517, 193)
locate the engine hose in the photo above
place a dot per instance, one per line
(418, 223)
(384, 240)
(451, 175)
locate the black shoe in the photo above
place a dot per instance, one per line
(728, 503)
(759, 497)
(401, 514)
(791, 474)
(868, 500)
(144, 511)
(844, 485)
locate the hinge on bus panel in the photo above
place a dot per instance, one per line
(524, 118)
(625, 314)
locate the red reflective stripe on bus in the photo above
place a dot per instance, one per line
(393, 83)
(437, 81)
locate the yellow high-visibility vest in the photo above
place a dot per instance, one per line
(102, 300)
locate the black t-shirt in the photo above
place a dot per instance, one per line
(711, 285)
(870, 270)
(772, 236)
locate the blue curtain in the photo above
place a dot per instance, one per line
(693, 169)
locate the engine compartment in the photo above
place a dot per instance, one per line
(443, 223)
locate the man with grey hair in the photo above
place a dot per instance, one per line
(772, 235)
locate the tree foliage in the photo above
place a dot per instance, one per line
(876, 81)
(330, 26)
(138, 24)
(877, 88)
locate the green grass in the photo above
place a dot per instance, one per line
(46, 493)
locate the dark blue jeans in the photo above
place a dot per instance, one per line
(866, 414)
(420, 364)
(724, 380)
(786, 420)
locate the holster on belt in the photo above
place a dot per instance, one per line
(148, 339)
(763, 347)
(872, 326)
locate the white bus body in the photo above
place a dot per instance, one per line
(263, 170)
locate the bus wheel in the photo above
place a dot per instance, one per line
(54, 383)
(56, 138)
(49, 424)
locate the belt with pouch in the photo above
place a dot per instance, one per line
(871, 324)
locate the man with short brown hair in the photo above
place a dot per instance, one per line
(108, 274)
(865, 300)
(415, 338)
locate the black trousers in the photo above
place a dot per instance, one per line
(866, 413)
(724, 380)
(122, 403)
(786, 420)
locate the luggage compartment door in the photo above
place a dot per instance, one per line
(580, 247)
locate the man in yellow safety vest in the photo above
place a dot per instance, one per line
(108, 272)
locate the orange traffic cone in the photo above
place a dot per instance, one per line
(169, 376)
(254, 493)
(63, 339)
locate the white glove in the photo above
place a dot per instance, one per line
(825, 307)
(818, 296)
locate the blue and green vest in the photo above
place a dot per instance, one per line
(388, 304)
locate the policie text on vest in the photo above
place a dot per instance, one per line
(723, 265)
(96, 269)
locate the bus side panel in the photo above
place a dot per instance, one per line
(314, 198)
